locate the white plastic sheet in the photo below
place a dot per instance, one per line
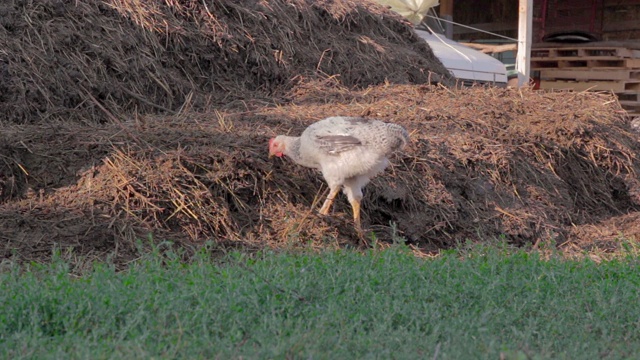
(414, 10)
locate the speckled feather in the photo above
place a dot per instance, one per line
(335, 135)
(346, 147)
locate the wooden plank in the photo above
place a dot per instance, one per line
(629, 44)
(589, 74)
(488, 48)
(614, 52)
(580, 58)
(622, 63)
(632, 108)
(630, 104)
(615, 86)
(582, 52)
(629, 96)
(542, 53)
(539, 64)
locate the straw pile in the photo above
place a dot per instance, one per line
(103, 61)
(482, 163)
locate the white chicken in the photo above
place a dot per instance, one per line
(349, 151)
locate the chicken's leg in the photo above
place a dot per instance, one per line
(324, 210)
(355, 205)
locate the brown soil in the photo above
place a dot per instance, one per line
(483, 162)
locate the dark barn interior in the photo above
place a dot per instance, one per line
(577, 45)
(604, 19)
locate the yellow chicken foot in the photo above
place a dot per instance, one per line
(324, 210)
(355, 204)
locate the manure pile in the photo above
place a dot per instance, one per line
(179, 161)
(93, 61)
(482, 163)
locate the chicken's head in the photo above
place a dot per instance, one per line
(276, 147)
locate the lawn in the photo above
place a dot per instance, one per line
(485, 303)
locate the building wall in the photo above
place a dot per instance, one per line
(569, 15)
(621, 20)
(606, 19)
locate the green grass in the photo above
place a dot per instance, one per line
(337, 305)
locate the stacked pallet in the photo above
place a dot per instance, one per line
(609, 68)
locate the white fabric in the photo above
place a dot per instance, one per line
(414, 10)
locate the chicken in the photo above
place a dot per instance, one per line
(349, 151)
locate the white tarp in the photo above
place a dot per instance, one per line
(414, 10)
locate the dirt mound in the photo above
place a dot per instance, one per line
(107, 61)
(127, 119)
(482, 163)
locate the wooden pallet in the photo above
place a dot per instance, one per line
(589, 74)
(629, 96)
(583, 63)
(632, 107)
(630, 104)
(593, 67)
(605, 51)
(615, 86)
